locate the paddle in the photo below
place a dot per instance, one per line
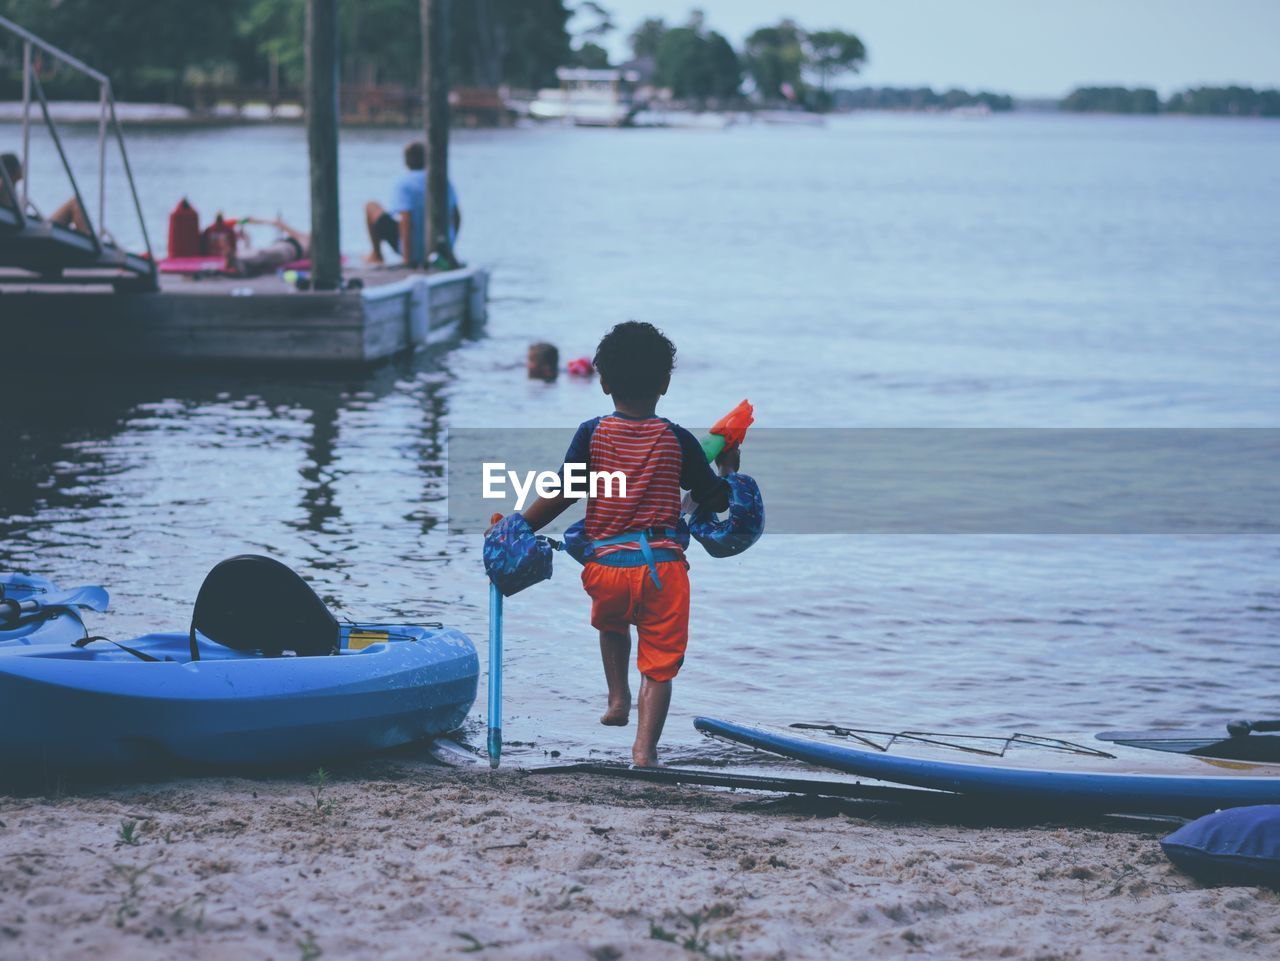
(1245, 728)
(12, 612)
(92, 597)
(495, 669)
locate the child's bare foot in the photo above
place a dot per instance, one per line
(618, 715)
(615, 652)
(655, 699)
(639, 759)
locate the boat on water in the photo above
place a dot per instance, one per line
(612, 98)
(588, 98)
(790, 118)
(659, 116)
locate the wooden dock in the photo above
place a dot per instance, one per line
(263, 319)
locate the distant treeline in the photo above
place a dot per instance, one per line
(917, 98)
(170, 51)
(180, 51)
(1207, 101)
(192, 52)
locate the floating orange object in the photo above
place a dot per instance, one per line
(580, 367)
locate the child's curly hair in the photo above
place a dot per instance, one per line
(635, 359)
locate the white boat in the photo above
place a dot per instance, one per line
(685, 119)
(801, 118)
(588, 98)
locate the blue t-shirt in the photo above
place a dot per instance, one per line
(410, 196)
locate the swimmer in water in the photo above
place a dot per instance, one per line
(543, 362)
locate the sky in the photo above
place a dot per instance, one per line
(1022, 47)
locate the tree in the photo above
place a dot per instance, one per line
(1226, 101)
(921, 98)
(587, 49)
(833, 53)
(590, 55)
(533, 37)
(272, 30)
(518, 42)
(476, 44)
(601, 21)
(1112, 100)
(696, 63)
(151, 49)
(646, 38)
(726, 68)
(146, 48)
(775, 59)
(382, 41)
(679, 64)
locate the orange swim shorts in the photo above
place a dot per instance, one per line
(621, 596)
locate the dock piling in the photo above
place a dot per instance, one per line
(435, 100)
(322, 141)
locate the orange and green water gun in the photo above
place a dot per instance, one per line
(729, 431)
(742, 525)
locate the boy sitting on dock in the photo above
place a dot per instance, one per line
(636, 573)
(403, 227)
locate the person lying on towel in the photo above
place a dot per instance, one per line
(70, 214)
(292, 245)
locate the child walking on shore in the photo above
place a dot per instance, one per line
(637, 574)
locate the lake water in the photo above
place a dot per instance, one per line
(1026, 271)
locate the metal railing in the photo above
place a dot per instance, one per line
(108, 126)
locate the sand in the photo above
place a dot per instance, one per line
(403, 859)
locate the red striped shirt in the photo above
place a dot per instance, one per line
(657, 458)
(647, 453)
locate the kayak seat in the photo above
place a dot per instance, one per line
(252, 603)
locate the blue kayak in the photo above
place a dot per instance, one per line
(148, 701)
(34, 610)
(1108, 772)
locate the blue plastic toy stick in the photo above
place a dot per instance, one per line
(495, 676)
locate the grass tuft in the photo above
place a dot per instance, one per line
(308, 948)
(694, 934)
(320, 806)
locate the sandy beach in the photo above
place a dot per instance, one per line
(396, 858)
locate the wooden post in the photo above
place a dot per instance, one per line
(322, 141)
(435, 103)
